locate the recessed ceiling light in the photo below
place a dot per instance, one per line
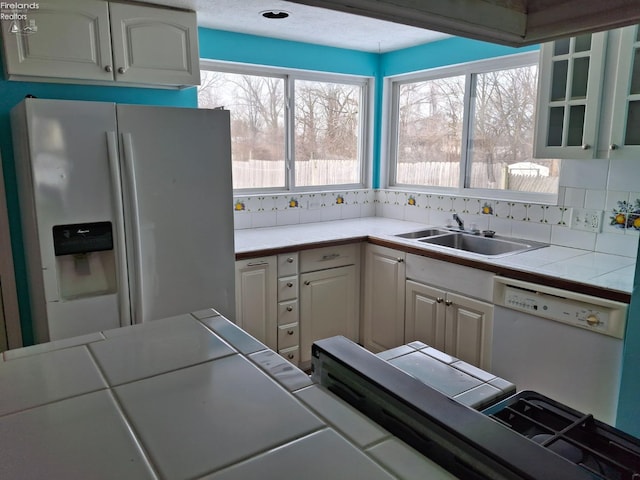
(274, 14)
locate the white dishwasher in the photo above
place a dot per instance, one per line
(562, 344)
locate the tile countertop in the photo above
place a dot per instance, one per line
(187, 397)
(606, 271)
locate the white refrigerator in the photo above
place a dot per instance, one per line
(126, 211)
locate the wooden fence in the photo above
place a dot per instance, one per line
(335, 172)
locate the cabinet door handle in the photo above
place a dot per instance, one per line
(331, 256)
(307, 282)
(121, 70)
(108, 68)
(586, 146)
(290, 356)
(289, 284)
(448, 303)
(290, 260)
(613, 146)
(256, 264)
(289, 308)
(289, 332)
(400, 260)
(439, 300)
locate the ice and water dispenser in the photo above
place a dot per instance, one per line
(85, 259)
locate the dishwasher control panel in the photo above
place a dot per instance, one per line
(591, 313)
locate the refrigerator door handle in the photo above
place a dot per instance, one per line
(121, 256)
(132, 209)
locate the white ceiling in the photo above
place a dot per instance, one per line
(305, 24)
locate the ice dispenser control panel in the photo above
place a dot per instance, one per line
(82, 238)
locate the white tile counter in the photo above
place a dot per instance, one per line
(600, 270)
(188, 397)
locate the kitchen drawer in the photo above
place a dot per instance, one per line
(288, 336)
(292, 354)
(287, 288)
(287, 264)
(329, 257)
(288, 312)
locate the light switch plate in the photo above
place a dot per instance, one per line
(586, 220)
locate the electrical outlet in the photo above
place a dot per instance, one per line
(586, 220)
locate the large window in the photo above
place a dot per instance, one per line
(470, 128)
(288, 131)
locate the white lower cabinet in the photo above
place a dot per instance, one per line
(290, 300)
(384, 298)
(329, 297)
(256, 299)
(453, 323)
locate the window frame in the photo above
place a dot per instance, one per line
(290, 75)
(468, 70)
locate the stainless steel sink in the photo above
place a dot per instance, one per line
(424, 233)
(491, 247)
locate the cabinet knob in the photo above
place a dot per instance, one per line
(108, 68)
(121, 70)
(289, 308)
(439, 299)
(290, 356)
(400, 260)
(613, 146)
(289, 284)
(290, 260)
(448, 303)
(586, 146)
(289, 332)
(307, 282)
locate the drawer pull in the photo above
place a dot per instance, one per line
(289, 284)
(400, 260)
(256, 264)
(331, 256)
(290, 332)
(448, 303)
(439, 299)
(307, 282)
(289, 308)
(290, 260)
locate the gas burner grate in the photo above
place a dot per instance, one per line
(601, 449)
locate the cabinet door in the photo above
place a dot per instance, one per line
(469, 330)
(152, 45)
(570, 85)
(329, 306)
(256, 305)
(625, 128)
(383, 316)
(425, 315)
(68, 39)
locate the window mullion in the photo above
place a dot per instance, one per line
(290, 173)
(465, 152)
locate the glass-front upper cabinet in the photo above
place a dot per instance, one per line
(570, 85)
(625, 124)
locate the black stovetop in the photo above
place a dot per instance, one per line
(606, 452)
(468, 443)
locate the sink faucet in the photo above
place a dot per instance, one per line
(458, 221)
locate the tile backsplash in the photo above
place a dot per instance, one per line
(580, 187)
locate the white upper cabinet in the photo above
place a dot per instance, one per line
(71, 40)
(569, 95)
(625, 124)
(92, 41)
(152, 45)
(589, 97)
